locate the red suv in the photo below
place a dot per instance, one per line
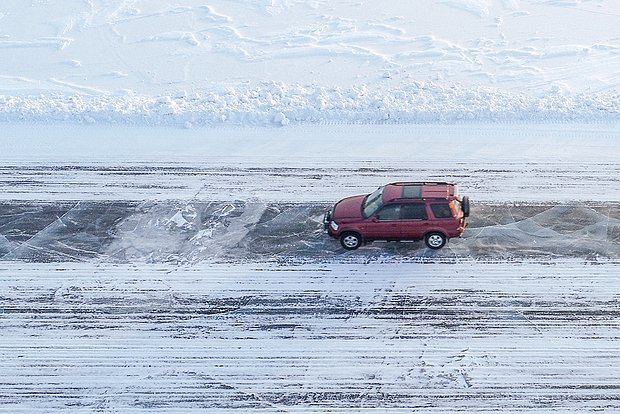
(430, 211)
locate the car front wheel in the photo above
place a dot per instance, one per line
(350, 240)
(435, 240)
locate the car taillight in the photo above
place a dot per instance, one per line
(453, 210)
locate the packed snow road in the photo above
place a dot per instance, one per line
(138, 275)
(516, 163)
(466, 336)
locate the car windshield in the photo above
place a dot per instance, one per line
(373, 202)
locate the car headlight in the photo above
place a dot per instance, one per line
(333, 225)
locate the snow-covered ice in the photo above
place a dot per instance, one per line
(274, 63)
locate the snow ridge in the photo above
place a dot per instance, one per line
(279, 104)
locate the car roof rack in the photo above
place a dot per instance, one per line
(420, 190)
(421, 183)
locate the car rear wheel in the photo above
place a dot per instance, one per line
(435, 240)
(350, 240)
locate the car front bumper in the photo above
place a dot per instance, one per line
(329, 225)
(327, 217)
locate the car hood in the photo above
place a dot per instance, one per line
(349, 208)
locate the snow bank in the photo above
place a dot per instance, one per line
(279, 104)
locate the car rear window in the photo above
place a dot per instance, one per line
(441, 210)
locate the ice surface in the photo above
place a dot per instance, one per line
(187, 268)
(192, 232)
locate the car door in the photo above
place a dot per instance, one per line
(384, 224)
(414, 221)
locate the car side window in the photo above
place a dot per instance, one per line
(414, 211)
(441, 210)
(389, 212)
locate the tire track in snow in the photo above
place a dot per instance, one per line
(483, 181)
(470, 336)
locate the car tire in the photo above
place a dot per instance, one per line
(350, 240)
(435, 240)
(465, 206)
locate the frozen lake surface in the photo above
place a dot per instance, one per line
(167, 274)
(164, 168)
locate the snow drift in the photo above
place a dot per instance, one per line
(276, 103)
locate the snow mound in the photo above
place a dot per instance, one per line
(280, 104)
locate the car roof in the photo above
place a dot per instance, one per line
(418, 190)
